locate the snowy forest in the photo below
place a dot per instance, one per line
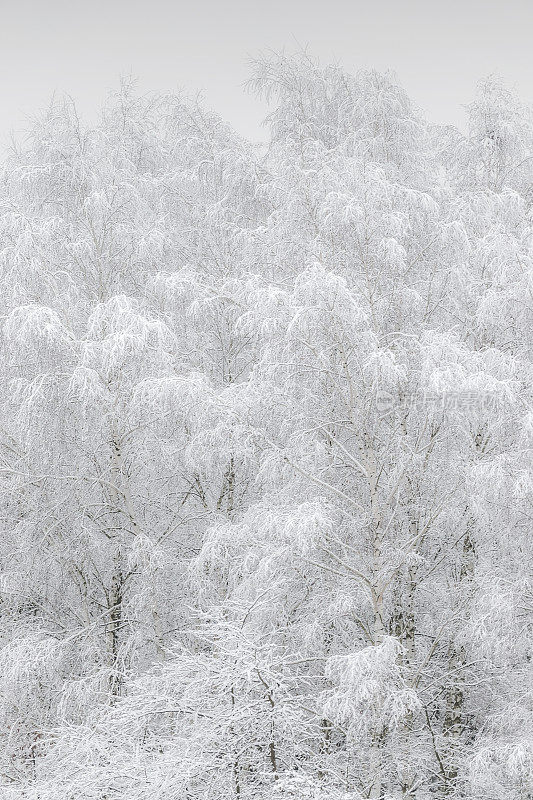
(266, 442)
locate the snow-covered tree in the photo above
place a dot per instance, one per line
(266, 450)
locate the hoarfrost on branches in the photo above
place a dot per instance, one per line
(266, 449)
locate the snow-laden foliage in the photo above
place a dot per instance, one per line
(266, 449)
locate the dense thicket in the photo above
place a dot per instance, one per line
(265, 447)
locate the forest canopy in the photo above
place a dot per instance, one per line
(266, 449)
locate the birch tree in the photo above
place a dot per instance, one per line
(266, 460)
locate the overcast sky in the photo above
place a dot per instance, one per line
(438, 49)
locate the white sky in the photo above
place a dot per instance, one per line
(438, 49)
